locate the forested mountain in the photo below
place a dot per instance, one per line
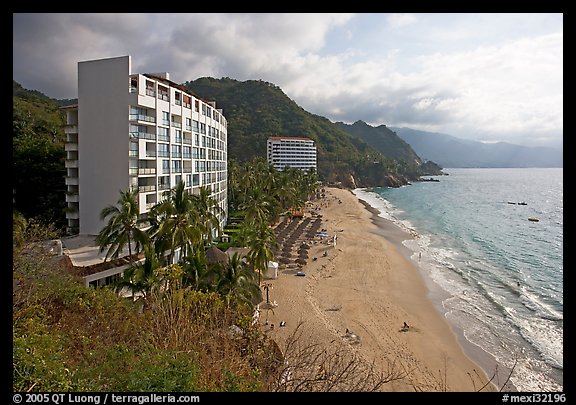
(382, 139)
(38, 156)
(256, 110)
(450, 151)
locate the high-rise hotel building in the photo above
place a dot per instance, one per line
(299, 153)
(133, 130)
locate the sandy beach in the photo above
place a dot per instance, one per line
(358, 292)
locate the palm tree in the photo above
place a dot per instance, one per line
(174, 222)
(123, 226)
(198, 273)
(140, 278)
(262, 243)
(238, 282)
(258, 206)
(208, 213)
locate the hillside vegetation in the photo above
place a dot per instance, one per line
(256, 110)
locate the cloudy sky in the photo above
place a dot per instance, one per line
(486, 77)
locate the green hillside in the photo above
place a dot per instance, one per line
(256, 110)
(38, 156)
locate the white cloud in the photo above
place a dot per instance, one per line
(396, 21)
(487, 89)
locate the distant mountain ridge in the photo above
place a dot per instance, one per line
(450, 151)
(256, 110)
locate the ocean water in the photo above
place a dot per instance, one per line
(502, 274)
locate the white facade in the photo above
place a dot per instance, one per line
(299, 153)
(138, 130)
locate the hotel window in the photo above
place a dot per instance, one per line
(215, 116)
(177, 166)
(188, 180)
(163, 93)
(202, 128)
(177, 98)
(187, 101)
(163, 134)
(176, 151)
(177, 136)
(134, 85)
(165, 118)
(133, 149)
(195, 179)
(195, 126)
(150, 88)
(165, 166)
(186, 152)
(196, 140)
(178, 179)
(163, 150)
(164, 183)
(208, 112)
(188, 124)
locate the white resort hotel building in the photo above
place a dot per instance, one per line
(138, 130)
(133, 130)
(299, 153)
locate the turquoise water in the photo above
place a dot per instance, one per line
(503, 274)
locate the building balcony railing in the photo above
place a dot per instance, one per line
(146, 170)
(176, 124)
(71, 129)
(151, 92)
(72, 215)
(151, 153)
(187, 140)
(164, 96)
(146, 189)
(143, 118)
(143, 135)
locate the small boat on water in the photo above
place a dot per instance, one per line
(522, 203)
(533, 219)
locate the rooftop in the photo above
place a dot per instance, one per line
(83, 251)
